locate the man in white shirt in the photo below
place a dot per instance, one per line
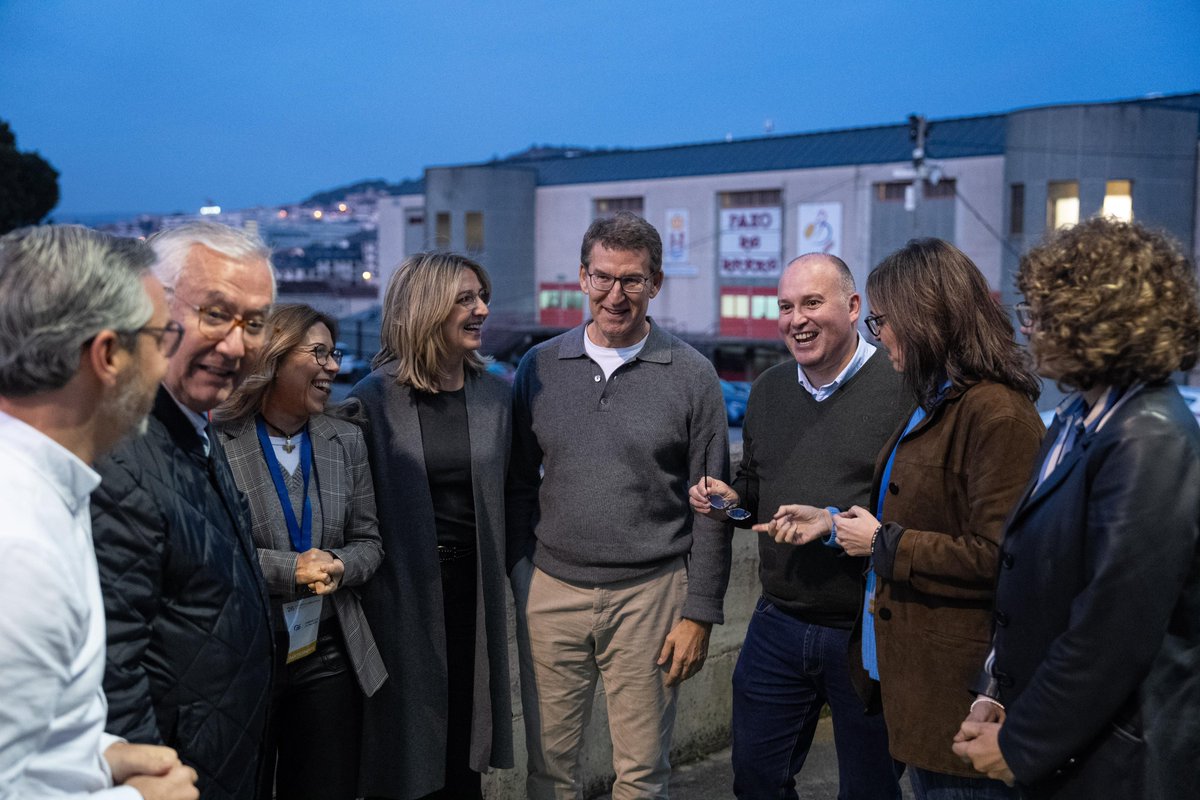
(84, 335)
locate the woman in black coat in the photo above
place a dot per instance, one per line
(438, 434)
(1093, 685)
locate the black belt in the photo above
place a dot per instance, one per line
(453, 553)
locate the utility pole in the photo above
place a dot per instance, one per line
(921, 171)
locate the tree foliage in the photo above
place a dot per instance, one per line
(28, 184)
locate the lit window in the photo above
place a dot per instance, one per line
(727, 305)
(548, 298)
(764, 306)
(607, 206)
(1118, 200)
(1062, 204)
(735, 305)
(474, 231)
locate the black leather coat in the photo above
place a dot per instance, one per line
(189, 633)
(1097, 621)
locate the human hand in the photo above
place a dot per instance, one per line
(126, 760)
(855, 529)
(312, 566)
(798, 524)
(977, 744)
(707, 486)
(686, 648)
(985, 709)
(333, 579)
(179, 783)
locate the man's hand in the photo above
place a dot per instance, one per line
(127, 760)
(856, 529)
(686, 648)
(976, 743)
(178, 784)
(797, 524)
(707, 486)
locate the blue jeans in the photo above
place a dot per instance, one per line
(939, 786)
(785, 674)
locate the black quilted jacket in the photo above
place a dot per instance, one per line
(189, 632)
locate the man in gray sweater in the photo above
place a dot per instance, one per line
(613, 576)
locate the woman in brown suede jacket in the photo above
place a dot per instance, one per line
(943, 487)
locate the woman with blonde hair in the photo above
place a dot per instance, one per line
(312, 507)
(438, 431)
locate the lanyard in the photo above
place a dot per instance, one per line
(300, 534)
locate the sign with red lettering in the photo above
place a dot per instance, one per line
(751, 242)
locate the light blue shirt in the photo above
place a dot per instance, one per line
(861, 354)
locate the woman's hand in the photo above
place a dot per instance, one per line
(705, 487)
(855, 529)
(797, 524)
(319, 570)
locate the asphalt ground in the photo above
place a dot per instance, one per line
(712, 777)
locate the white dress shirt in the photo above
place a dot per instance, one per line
(52, 637)
(861, 353)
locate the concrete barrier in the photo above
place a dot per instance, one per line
(702, 724)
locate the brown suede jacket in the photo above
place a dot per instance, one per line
(955, 480)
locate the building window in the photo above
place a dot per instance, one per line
(1062, 204)
(764, 307)
(560, 305)
(607, 206)
(756, 198)
(441, 236)
(1118, 200)
(416, 219)
(1016, 205)
(474, 231)
(939, 190)
(891, 192)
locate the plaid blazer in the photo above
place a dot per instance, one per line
(349, 526)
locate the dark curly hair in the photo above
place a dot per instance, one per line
(948, 325)
(1113, 303)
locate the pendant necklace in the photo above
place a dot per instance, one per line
(287, 445)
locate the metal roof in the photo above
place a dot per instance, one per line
(949, 138)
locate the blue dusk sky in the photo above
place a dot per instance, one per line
(160, 105)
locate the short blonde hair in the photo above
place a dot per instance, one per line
(419, 298)
(1113, 303)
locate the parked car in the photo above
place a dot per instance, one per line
(354, 367)
(736, 393)
(503, 369)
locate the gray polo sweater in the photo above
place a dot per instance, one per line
(600, 469)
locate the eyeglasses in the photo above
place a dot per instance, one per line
(1024, 313)
(875, 323)
(471, 299)
(630, 284)
(322, 354)
(217, 322)
(168, 337)
(730, 507)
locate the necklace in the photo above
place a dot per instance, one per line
(288, 447)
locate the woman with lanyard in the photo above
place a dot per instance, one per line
(943, 487)
(438, 431)
(1093, 685)
(308, 483)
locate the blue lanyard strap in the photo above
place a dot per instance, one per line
(300, 534)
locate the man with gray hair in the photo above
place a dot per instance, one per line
(84, 340)
(189, 629)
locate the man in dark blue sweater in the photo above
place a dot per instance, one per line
(811, 435)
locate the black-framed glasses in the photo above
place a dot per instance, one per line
(1024, 313)
(730, 507)
(168, 337)
(875, 323)
(630, 284)
(216, 322)
(323, 354)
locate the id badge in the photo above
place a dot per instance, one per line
(303, 618)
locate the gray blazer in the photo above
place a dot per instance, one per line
(349, 528)
(404, 725)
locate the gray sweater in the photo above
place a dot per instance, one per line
(600, 469)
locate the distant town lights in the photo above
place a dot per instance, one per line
(208, 211)
(318, 213)
(342, 207)
(366, 275)
(283, 213)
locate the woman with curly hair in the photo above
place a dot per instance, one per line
(1092, 688)
(943, 486)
